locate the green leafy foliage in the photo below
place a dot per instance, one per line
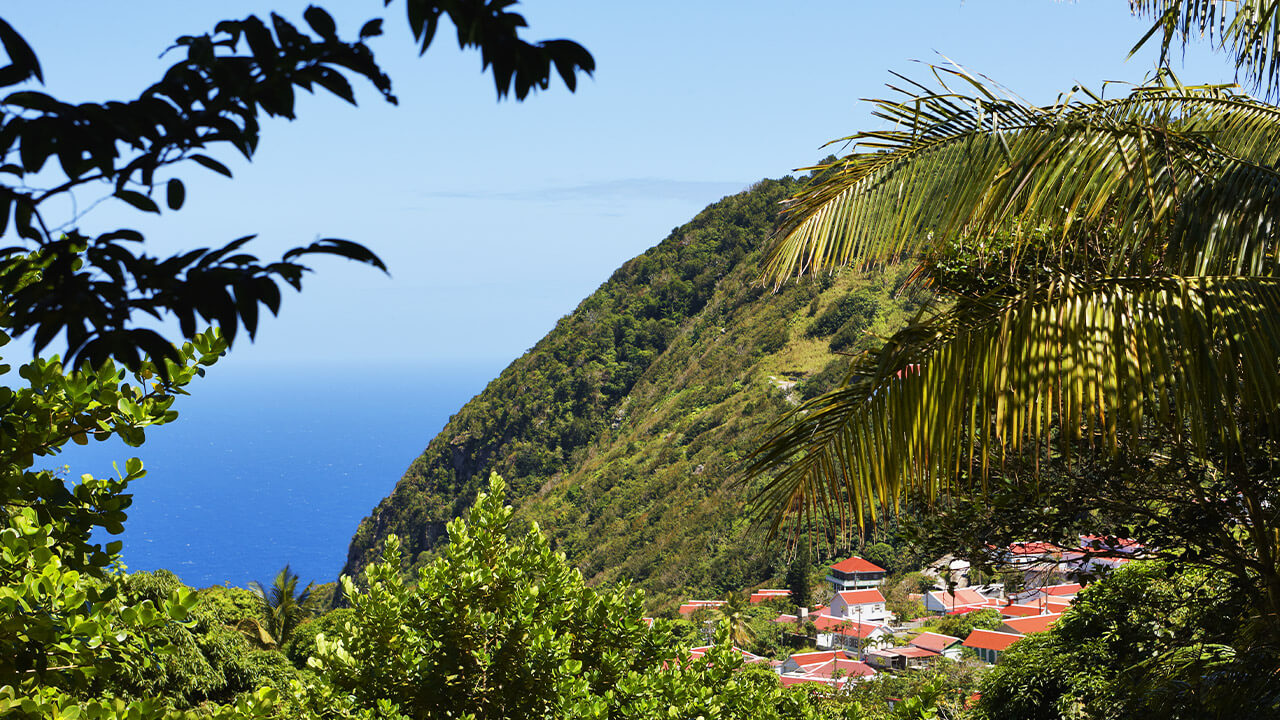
(504, 627)
(1149, 641)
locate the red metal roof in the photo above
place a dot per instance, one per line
(1021, 610)
(990, 640)
(861, 597)
(1028, 625)
(936, 642)
(857, 565)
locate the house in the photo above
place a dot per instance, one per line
(963, 599)
(855, 574)
(1060, 592)
(833, 669)
(840, 633)
(693, 606)
(861, 605)
(901, 658)
(1027, 610)
(990, 643)
(747, 658)
(798, 661)
(1028, 625)
(760, 596)
(944, 645)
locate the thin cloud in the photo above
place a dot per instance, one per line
(608, 190)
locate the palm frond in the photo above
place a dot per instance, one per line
(1247, 29)
(1064, 363)
(1187, 173)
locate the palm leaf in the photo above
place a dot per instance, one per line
(1247, 29)
(1065, 362)
(1187, 172)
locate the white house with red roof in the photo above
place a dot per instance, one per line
(990, 643)
(839, 633)
(834, 669)
(855, 574)
(765, 595)
(1028, 625)
(961, 600)
(693, 606)
(862, 605)
(944, 645)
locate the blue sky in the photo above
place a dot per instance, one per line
(498, 218)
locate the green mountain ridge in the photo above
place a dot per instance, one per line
(622, 432)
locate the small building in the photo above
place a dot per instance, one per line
(1028, 625)
(990, 643)
(855, 574)
(862, 605)
(760, 596)
(798, 661)
(944, 645)
(838, 633)
(963, 599)
(693, 606)
(902, 658)
(834, 669)
(1061, 592)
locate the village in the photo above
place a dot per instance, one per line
(856, 636)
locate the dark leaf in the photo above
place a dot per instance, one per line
(138, 200)
(341, 248)
(175, 193)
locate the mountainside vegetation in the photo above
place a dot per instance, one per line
(622, 431)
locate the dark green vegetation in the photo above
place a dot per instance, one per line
(1150, 642)
(622, 431)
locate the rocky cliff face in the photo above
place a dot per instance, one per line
(621, 433)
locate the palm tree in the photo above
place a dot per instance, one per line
(734, 613)
(283, 607)
(1108, 277)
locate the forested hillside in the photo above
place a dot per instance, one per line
(622, 431)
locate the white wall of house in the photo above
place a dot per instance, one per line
(862, 612)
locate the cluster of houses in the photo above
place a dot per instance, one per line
(856, 636)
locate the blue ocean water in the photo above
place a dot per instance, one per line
(271, 467)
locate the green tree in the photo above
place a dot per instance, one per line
(283, 607)
(504, 627)
(798, 576)
(1108, 284)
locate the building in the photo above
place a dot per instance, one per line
(855, 574)
(693, 606)
(862, 605)
(944, 645)
(1028, 625)
(962, 600)
(990, 643)
(838, 633)
(760, 596)
(834, 669)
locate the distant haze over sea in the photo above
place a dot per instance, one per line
(274, 466)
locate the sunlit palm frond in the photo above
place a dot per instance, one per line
(1187, 173)
(1247, 29)
(1064, 363)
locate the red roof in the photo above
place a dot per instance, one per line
(857, 565)
(1028, 625)
(760, 596)
(1065, 589)
(1035, 548)
(698, 652)
(694, 605)
(1021, 610)
(848, 668)
(936, 642)
(861, 597)
(811, 658)
(916, 652)
(962, 598)
(856, 629)
(990, 639)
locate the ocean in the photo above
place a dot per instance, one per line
(271, 467)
